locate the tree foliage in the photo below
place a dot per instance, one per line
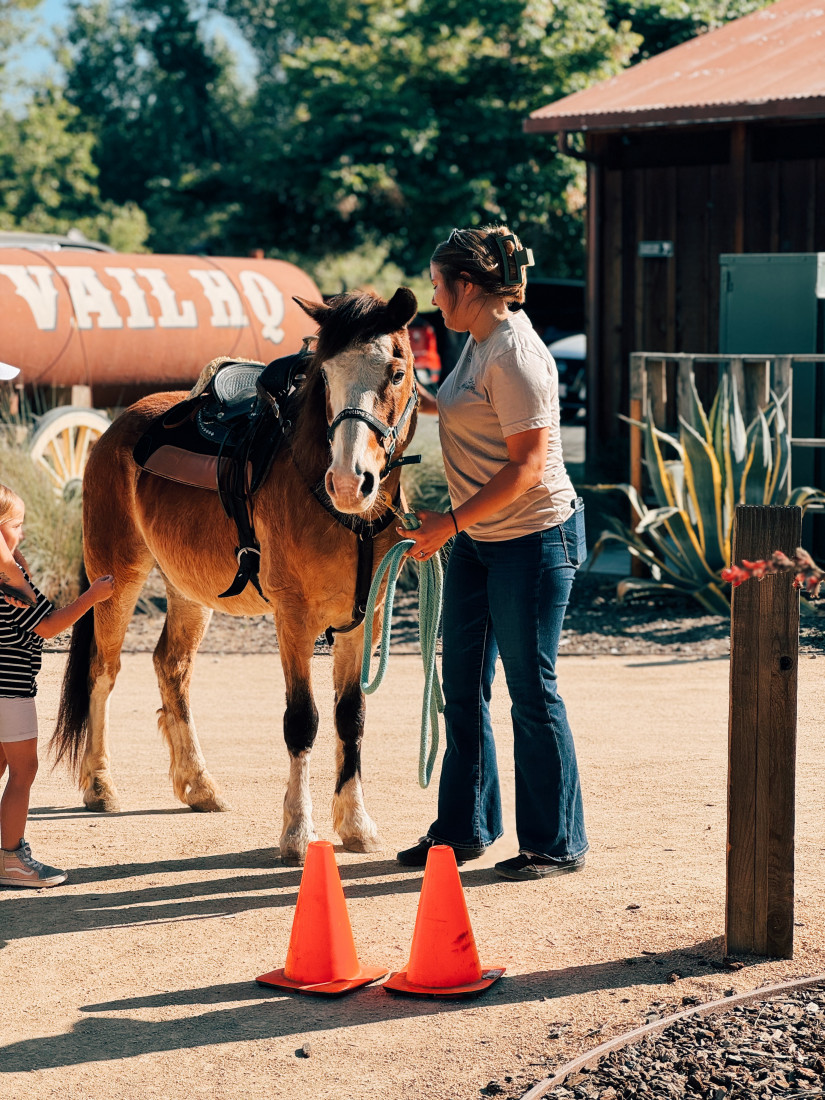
(369, 120)
(13, 17)
(405, 120)
(46, 161)
(371, 127)
(166, 113)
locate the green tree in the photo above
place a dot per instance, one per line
(50, 178)
(166, 111)
(371, 124)
(401, 121)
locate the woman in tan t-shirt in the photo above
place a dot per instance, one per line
(519, 538)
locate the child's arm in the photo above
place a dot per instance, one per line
(10, 574)
(21, 561)
(63, 617)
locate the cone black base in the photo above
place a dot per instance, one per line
(335, 988)
(398, 983)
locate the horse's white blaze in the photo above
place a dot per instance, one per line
(353, 378)
(298, 828)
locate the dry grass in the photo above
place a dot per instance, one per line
(53, 540)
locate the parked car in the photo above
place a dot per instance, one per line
(425, 352)
(570, 353)
(51, 242)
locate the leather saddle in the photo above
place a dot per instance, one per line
(225, 437)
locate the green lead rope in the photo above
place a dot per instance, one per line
(430, 587)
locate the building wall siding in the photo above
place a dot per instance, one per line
(684, 185)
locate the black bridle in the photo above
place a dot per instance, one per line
(388, 434)
(366, 531)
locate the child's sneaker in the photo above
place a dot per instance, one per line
(20, 868)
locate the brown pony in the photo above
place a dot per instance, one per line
(359, 381)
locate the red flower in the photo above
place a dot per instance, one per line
(755, 568)
(736, 575)
(808, 575)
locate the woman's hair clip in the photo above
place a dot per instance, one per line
(521, 257)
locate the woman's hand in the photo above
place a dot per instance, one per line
(436, 529)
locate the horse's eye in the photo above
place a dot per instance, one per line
(399, 377)
(324, 377)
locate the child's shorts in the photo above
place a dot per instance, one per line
(18, 720)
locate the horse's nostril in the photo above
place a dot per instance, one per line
(367, 484)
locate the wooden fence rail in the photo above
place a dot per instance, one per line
(660, 386)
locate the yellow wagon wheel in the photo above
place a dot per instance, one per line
(61, 443)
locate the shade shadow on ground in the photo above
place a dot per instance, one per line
(265, 1015)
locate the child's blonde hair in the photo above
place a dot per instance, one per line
(9, 500)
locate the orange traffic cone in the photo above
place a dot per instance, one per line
(321, 956)
(443, 958)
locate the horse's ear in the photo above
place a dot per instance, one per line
(316, 310)
(401, 308)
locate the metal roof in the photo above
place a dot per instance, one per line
(769, 64)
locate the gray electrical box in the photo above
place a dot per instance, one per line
(774, 304)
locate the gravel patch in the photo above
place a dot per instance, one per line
(757, 1051)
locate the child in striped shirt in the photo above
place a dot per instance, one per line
(23, 626)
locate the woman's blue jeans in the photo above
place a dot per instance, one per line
(509, 598)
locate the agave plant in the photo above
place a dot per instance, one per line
(719, 462)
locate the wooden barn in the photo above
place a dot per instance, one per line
(715, 147)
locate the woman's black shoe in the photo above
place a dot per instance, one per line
(417, 855)
(525, 867)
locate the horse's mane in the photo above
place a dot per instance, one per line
(353, 318)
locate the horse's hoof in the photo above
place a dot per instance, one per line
(212, 804)
(292, 859)
(102, 805)
(101, 798)
(293, 847)
(362, 843)
(201, 794)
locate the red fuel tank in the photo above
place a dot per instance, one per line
(112, 320)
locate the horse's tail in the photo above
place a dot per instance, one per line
(69, 737)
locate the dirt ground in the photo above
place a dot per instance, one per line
(136, 979)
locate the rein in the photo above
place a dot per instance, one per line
(431, 581)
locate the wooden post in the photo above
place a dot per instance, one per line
(638, 389)
(81, 395)
(756, 387)
(762, 740)
(657, 392)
